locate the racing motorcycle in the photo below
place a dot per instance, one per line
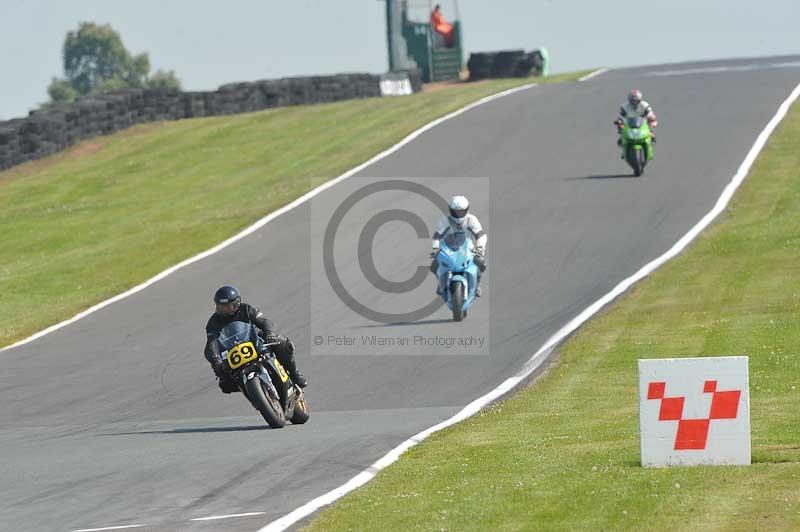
(260, 376)
(637, 143)
(457, 274)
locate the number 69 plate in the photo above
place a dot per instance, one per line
(241, 355)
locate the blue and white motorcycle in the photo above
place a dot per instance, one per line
(457, 273)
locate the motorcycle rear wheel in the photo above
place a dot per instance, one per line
(300, 414)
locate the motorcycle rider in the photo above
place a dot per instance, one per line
(228, 307)
(460, 220)
(636, 106)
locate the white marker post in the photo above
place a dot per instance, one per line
(694, 411)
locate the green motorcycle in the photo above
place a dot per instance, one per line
(637, 143)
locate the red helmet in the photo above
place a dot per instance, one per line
(635, 97)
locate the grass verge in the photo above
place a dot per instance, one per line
(564, 454)
(111, 212)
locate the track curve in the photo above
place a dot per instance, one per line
(114, 420)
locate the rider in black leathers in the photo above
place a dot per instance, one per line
(229, 308)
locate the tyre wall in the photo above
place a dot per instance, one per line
(505, 64)
(53, 128)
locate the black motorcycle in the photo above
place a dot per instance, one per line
(260, 376)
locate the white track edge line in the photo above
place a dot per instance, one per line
(271, 216)
(591, 75)
(108, 528)
(531, 365)
(216, 517)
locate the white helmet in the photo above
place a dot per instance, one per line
(459, 206)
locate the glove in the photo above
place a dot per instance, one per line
(271, 338)
(226, 384)
(434, 252)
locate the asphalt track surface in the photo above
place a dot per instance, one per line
(115, 419)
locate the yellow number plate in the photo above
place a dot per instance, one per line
(241, 355)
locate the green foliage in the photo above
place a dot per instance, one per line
(60, 90)
(109, 85)
(95, 54)
(164, 80)
(139, 67)
(95, 60)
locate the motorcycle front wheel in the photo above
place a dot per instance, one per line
(635, 160)
(457, 293)
(270, 407)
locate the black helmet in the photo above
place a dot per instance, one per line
(227, 300)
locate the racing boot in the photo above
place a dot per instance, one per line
(650, 147)
(296, 375)
(480, 262)
(298, 378)
(434, 268)
(285, 354)
(440, 288)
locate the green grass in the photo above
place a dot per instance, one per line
(87, 224)
(563, 454)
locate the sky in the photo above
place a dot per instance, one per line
(209, 43)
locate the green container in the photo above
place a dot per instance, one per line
(435, 63)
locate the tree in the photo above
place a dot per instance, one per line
(60, 90)
(95, 60)
(163, 80)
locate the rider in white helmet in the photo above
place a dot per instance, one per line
(460, 220)
(636, 106)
